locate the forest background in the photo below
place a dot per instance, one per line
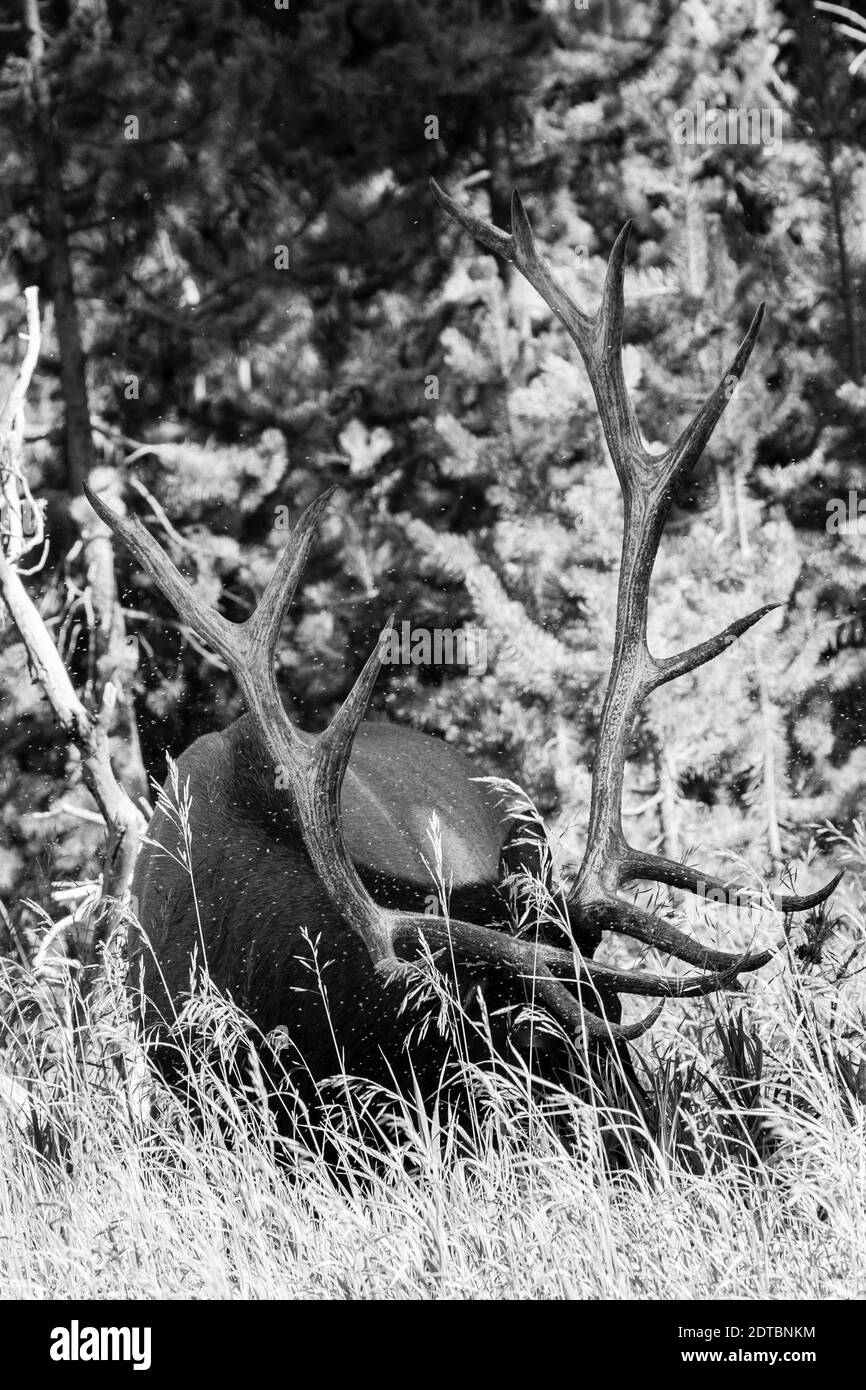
(248, 294)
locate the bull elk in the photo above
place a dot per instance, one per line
(336, 855)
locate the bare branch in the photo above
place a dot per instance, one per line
(124, 821)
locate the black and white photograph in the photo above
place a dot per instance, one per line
(432, 665)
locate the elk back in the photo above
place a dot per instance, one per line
(254, 911)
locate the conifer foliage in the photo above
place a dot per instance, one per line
(248, 295)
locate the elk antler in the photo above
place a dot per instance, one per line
(648, 482)
(314, 776)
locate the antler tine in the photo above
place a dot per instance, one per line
(598, 337)
(266, 622)
(533, 960)
(583, 328)
(217, 631)
(566, 1006)
(335, 744)
(634, 921)
(638, 864)
(491, 237)
(684, 454)
(320, 794)
(247, 648)
(668, 668)
(646, 983)
(647, 482)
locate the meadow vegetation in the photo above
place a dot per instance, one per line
(738, 1170)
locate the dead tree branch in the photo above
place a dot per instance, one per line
(87, 729)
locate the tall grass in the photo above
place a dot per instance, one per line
(737, 1170)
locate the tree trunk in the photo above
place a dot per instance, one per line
(846, 281)
(48, 161)
(770, 771)
(114, 657)
(668, 813)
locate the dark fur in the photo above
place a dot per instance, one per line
(257, 893)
